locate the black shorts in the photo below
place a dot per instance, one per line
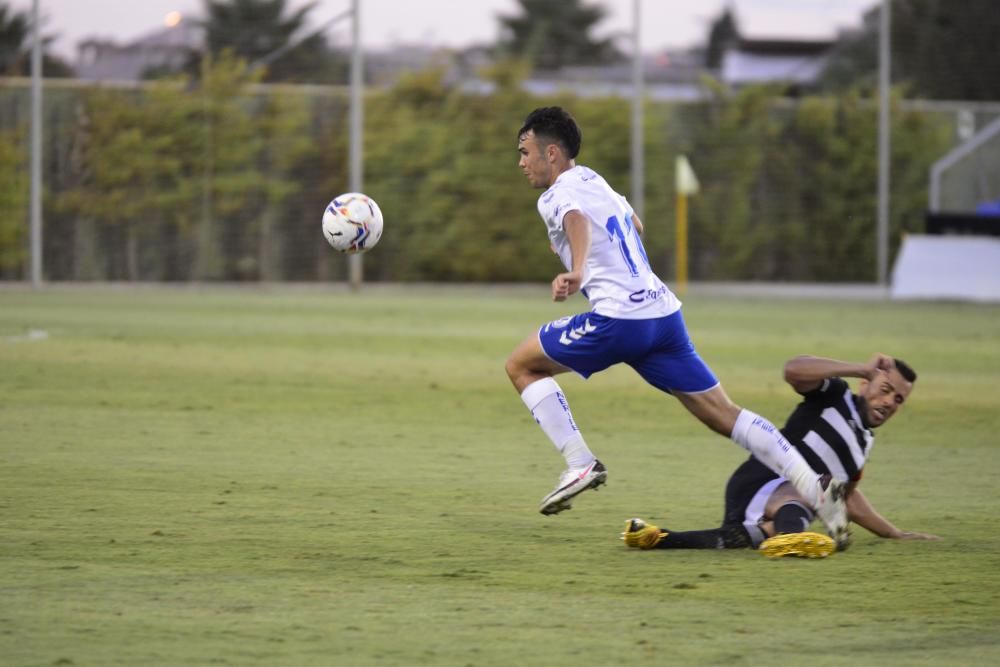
(747, 492)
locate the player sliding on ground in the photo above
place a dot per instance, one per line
(634, 319)
(831, 427)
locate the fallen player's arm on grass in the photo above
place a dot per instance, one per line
(862, 513)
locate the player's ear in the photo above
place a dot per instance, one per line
(553, 152)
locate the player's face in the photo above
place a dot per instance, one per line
(883, 396)
(534, 162)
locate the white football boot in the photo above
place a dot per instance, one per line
(571, 483)
(832, 510)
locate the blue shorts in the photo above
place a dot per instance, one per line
(658, 349)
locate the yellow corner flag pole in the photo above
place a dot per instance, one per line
(680, 250)
(686, 184)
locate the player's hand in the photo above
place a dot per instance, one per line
(910, 535)
(566, 285)
(880, 363)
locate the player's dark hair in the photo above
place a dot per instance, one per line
(554, 125)
(905, 370)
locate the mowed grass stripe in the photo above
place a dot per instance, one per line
(318, 477)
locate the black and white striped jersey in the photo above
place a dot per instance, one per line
(826, 428)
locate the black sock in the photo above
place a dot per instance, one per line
(792, 517)
(727, 537)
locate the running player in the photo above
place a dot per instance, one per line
(634, 319)
(831, 427)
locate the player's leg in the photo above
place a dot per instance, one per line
(762, 439)
(641, 535)
(789, 511)
(788, 527)
(754, 433)
(531, 372)
(747, 492)
(675, 367)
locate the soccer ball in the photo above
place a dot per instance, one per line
(352, 223)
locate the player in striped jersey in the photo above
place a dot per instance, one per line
(634, 319)
(832, 428)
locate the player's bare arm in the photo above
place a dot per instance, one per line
(577, 228)
(861, 512)
(805, 373)
(637, 223)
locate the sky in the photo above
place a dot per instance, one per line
(457, 23)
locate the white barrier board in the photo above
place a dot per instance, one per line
(965, 268)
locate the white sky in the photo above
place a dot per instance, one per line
(665, 23)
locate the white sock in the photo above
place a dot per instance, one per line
(762, 439)
(549, 408)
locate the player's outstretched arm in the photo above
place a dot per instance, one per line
(806, 372)
(577, 228)
(861, 512)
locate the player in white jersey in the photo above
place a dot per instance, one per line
(634, 319)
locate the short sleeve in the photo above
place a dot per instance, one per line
(828, 387)
(628, 207)
(554, 204)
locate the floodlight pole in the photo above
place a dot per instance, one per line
(882, 241)
(354, 264)
(36, 147)
(355, 271)
(638, 168)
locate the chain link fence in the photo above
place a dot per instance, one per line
(226, 179)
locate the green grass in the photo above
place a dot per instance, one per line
(298, 477)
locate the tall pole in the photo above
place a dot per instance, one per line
(680, 252)
(638, 169)
(354, 262)
(883, 145)
(36, 146)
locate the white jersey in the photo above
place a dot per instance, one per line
(617, 279)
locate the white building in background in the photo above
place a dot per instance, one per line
(668, 75)
(164, 49)
(671, 75)
(797, 63)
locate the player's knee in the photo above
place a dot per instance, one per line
(513, 368)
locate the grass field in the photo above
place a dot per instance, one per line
(313, 477)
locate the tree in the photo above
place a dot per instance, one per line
(193, 171)
(15, 47)
(136, 169)
(940, 50)
(555, 34)
(255, 29)
(723, 34)
(13, 202)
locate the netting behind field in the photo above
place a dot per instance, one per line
(971, 182)
(221, 172)
(175, 182)
(163, 182)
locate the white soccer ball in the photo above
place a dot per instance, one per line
(352, 223)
